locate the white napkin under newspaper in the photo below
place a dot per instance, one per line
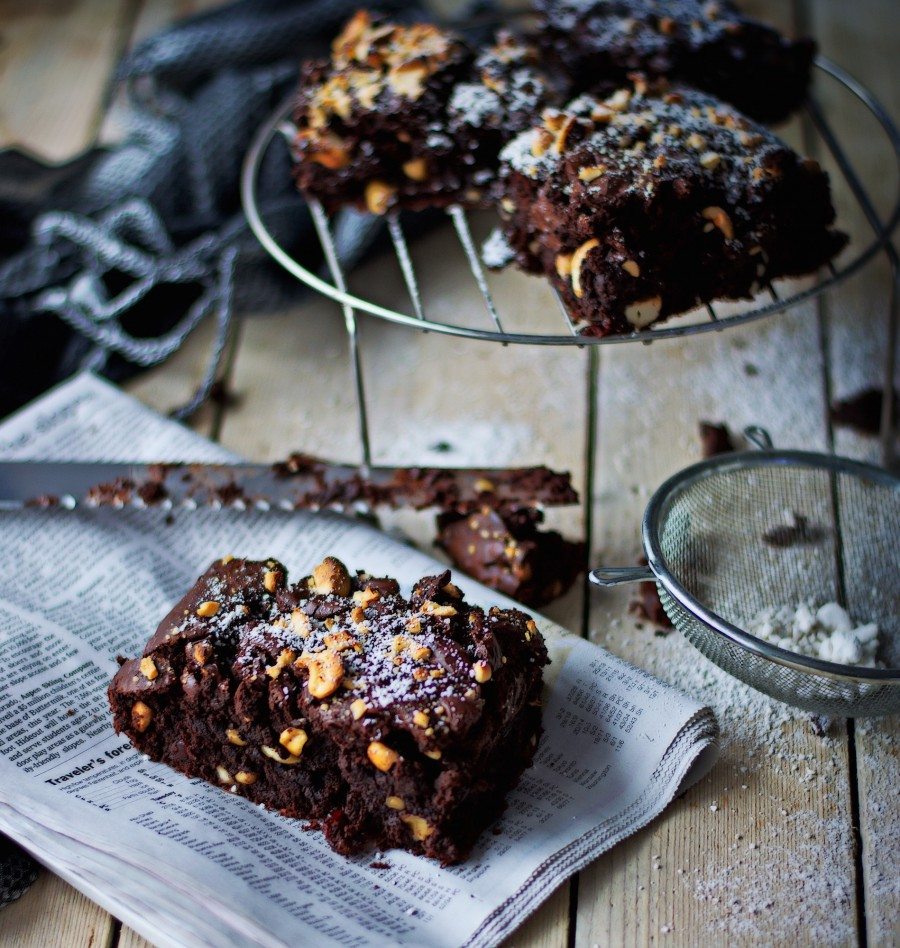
(185, 863)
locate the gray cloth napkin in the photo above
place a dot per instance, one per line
(17, 871)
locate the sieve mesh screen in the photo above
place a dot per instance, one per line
(774, 529)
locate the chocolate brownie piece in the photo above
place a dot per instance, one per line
(710, 45)
(339, 700)
(655, 200)
(507, 89)
(504, 549)
(410, 116)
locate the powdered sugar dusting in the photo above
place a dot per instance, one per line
(826, 632)
(473, 104)
(760, 809)
(496, 252)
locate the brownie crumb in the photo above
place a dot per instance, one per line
(647, 605)
(152, 492)
(45, 501)
(715, 439)
(862, 411)
(221, 394)
(378, 864)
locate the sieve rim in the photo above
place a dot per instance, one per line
(688, 477)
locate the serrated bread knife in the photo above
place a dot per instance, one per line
(299, 483)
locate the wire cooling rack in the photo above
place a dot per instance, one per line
(560, 330)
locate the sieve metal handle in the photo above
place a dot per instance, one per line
(619, 575)
(759, 437)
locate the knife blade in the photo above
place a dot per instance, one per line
(299, 483)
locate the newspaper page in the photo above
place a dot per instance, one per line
(188, 864)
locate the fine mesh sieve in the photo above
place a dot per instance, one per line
(704, 533)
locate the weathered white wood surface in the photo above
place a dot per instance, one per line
(763, 849)
(856, 346)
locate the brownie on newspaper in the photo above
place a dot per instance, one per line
(390, 721)
(655, 200)
(411, 116)
(710, 45)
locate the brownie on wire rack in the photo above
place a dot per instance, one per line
(410, 116)
(388, 721)
(655, 200)
(709, 44)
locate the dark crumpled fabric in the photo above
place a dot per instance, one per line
(17, 872)
(110, 260)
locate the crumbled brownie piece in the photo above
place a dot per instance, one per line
(410, 116)
(714, 439)
(386, 720)
(710, 45)
(322, 484)
(647, 604)
(504, 549)
(654, 200)
(862, 411)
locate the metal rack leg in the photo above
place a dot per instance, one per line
(361, 411)
(592, 448)
(320, 220)
(888, 408)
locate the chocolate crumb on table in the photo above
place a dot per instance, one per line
(862, 411)
(411, 116)
(710, 45)
(504, 549)
(387, 721)
(714, 439)
(657, 199)
(647, 605)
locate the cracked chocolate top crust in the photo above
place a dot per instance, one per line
(656, 199)
(710, 45)
(340, 700)
(411, 116)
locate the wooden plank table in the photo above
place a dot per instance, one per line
(792, 837)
